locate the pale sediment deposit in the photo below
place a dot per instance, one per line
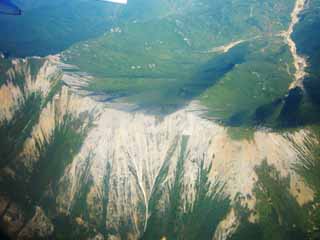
(300, 62)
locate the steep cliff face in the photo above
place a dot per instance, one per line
(115, 174)
(132, 149)
(20, 78)
(36, 107)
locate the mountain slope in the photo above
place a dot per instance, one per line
(90, 149)
(121, 172)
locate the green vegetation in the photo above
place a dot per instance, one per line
(100, 219)
(43, 183)
(142, 73)
(309, 170)
(208, 209)
(300, 107)
(262, 77)
(241, 133)
(164, 60)
(200, 218)
(38, 186)
(80, 206)
(246, 230)
(307, 36)
(5, 64)
(14, 133)
(279, 215)
(161, 55)
(56, 153)
(67, 228)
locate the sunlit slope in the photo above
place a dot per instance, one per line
(263, 76)
(73, 168)
(183, 50)
(300, 107)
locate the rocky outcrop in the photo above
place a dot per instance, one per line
(39, 226)
(131, 149)
(23, 78)
(128, 157)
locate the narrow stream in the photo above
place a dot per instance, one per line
(300, 63)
